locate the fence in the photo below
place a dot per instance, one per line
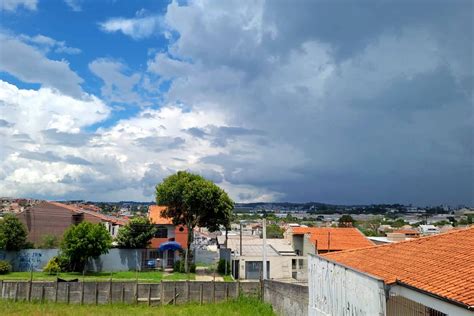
(163, 293)
(287, 298)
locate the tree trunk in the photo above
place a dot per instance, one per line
(188, 255)
(226, 231)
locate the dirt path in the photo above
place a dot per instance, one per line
(202, 274)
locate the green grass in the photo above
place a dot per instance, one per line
(228, 278)
(242, 306)
(149, 276)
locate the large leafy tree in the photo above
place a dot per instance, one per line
(13, 233)
(84, 241)
(136, 234)
(194, 201)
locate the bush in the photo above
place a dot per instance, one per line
(221, 267)
(192, 268)
(5, 267)
(178, 266)
(53, 266)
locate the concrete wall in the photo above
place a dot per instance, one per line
(280, 266)
(127, 292)
(337, 290)
(287, 299)
(36, 259)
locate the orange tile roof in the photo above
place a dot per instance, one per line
(155, 216)
(335, 238)
(441, 264)
(407, 231)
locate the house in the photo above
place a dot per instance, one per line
(53, 218)
(306, 240)
(428, 229)
(431, 275)
(169, 239)
(408, 233)
(247, 257)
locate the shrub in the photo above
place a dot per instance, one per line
(221, 267)
(53, 266)
(192, 268)
(5, 267)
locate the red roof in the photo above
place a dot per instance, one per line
(156, 217)
(334, 238)
(441, 264)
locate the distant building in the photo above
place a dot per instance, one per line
(169, 239)
(424, 276)
(428, 229)
(53, 218)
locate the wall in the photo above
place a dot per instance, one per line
(280, 266)
(338, 290)
(36, 259)
(286, 298)
(127, 292)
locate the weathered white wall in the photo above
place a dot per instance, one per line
(339, 291)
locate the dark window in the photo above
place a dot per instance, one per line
(181, 229)
(161, 232)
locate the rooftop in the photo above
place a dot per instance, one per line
(155, 216)
(334, 238)
(442, 264)
(103, 217)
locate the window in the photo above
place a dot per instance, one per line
(161, 232)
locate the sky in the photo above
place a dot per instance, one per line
(347, 102)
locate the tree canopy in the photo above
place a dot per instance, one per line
(346, 221)
(136, 234)
(13, 233)
(194, 201)
(84, 241)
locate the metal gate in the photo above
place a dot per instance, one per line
(253, 270)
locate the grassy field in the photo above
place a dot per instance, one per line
(242, 306)
(154, 276)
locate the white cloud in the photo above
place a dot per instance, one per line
(136, 28)
(47, 44)
(29, 64)
(13, 5)
(75, 5)
(118, 86)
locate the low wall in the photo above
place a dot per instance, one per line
(115, 260)
(286, 298)
(167, 292)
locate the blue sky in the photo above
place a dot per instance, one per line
(340, 102)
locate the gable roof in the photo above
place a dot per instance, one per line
(441, 264)
(103, 217)
(155, 216)
(334, 238)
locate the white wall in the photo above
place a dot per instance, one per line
(336, 290)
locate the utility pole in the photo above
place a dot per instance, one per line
(264, 249)
(240, 239)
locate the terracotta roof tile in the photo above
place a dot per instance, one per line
(442, 264)
(107, 218)
(155, 216)
(335, 239)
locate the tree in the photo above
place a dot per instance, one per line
(49, 242)
(136, 234)
(13, 233)
(346, 221)
(274, 231)
(84, 241)
(192, 200)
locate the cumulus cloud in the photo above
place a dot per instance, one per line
(272, 100)
(30, 65)
(13, 5)
(119, 84)
(47, 44)
(137, 28)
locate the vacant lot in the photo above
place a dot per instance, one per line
(101, 276)
(243, 306)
